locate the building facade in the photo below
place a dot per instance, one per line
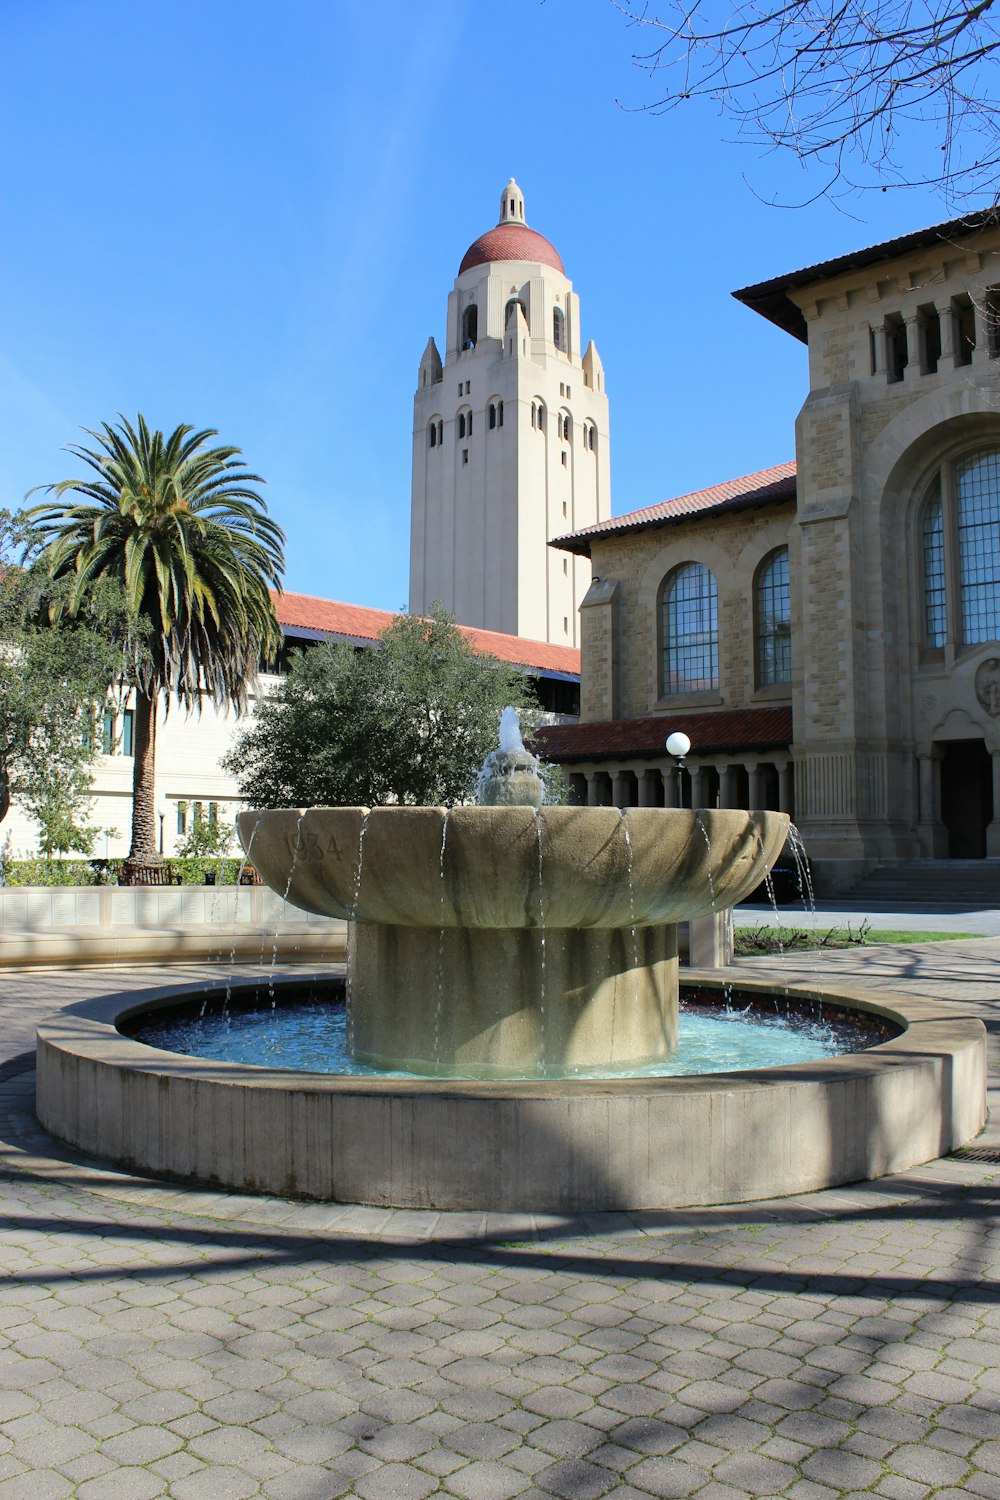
(190, 782)
(828, 633)
(510, 441)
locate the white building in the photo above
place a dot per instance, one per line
(510, 441)
(190, 781)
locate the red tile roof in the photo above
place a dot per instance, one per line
(777, 483)
(709, 731)
(358, 623)
(511, 242)
(771, 300)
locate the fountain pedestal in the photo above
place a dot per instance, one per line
(512, 1002)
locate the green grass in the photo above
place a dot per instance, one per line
(763, 939)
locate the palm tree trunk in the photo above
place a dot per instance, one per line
(144, 850)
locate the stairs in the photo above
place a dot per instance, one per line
(931, 884)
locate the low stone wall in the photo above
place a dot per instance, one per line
(559, 1146)
(133, 924)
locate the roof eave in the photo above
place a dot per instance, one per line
(580, 542)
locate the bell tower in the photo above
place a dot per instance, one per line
(510, 441)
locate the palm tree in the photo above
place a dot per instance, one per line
(180, 527)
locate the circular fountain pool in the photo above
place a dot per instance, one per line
(552, 1145)
(309, 1033)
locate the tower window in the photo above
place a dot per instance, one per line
(465, 455)
(468, 424)
(461, 424)
(930, 338)
(991, 318)
(499, 413)
(509, 309)
(895, 345)
(470, 327)
(563, 457)
(559, 328)
(964, 328)
(432, 435)
(492, 415)
(541, 417)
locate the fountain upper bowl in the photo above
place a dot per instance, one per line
(508, 867)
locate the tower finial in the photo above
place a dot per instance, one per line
(511, 205)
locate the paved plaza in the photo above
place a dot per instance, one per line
(156, 1340)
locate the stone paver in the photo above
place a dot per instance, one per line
(159, 1340)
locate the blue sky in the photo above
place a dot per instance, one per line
(247, 216)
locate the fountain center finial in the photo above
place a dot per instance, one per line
(511, 776)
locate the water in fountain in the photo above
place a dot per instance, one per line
(511, 776)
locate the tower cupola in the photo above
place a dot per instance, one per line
(511, 205)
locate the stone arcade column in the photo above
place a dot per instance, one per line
(946, 320)
(621, 786)
(727, 791)
(786, 786)
(753, 781)
(669, 775)
(697, 785)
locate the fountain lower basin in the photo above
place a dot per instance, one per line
(568, 1145)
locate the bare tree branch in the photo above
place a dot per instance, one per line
(863, 88)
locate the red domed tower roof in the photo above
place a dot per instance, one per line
(512, 239)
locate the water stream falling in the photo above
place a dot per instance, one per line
(630, 871)
(542, 1058)
(236, 910)
(355, 903)
(296, 850)
(440, 957)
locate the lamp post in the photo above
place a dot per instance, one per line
(161, 815)
(678, 746)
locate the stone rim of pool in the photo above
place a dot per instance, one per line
(546, 1145)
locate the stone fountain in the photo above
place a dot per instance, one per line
(512, 939)
(516, 957)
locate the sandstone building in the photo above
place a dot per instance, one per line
(827, 632)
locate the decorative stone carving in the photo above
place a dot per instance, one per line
(988, 685)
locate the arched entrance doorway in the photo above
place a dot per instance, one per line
(966, 796)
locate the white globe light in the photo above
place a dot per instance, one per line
(678, 744)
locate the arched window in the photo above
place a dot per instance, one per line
(461, 424)
(559, 328)
(499, 413)
(508, 310)
(689, 631)
(470, 327)
(440, 433)
(960, 541)
(492, 415)
(773, 620)
(590, 437)
(565, 426)
(432, 435)
(932, 538)
(541, 417)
